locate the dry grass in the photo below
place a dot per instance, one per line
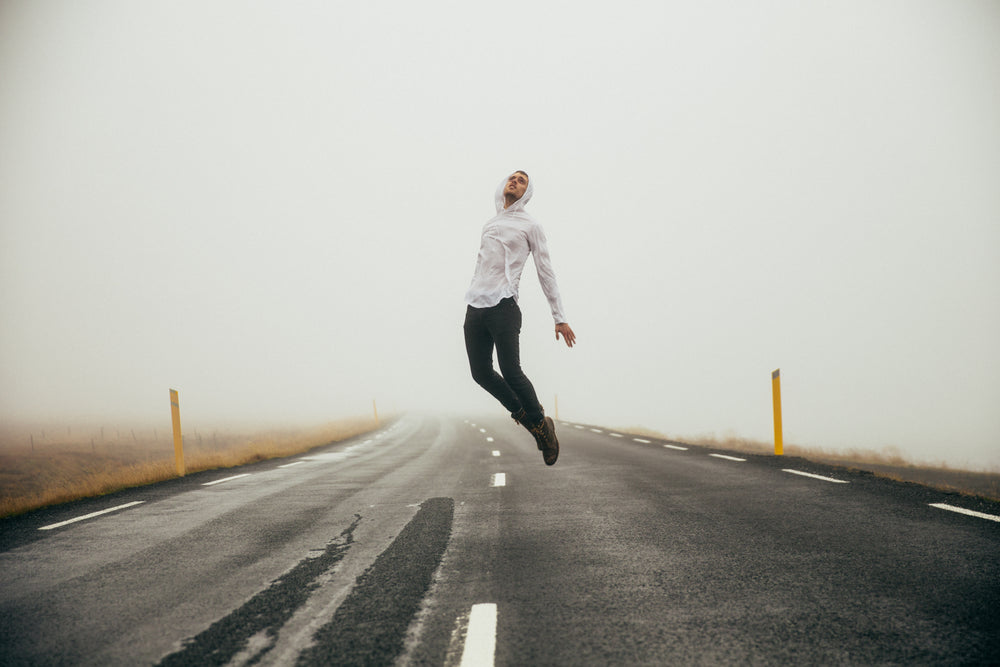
(40, 468)
(889, 462)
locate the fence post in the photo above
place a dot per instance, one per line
(779, 447)
(175, 414)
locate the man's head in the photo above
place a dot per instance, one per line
(516, 185)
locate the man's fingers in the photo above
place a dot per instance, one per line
(567, 334)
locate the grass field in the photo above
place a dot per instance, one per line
(40, 467)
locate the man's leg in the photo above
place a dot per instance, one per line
(505, 328)
(479, 344)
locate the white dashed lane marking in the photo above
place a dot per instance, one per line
(226, 479)
(498, 479)
(496, 452)
(962, 510)
(481, 637)
(91, 515)
(809, 474)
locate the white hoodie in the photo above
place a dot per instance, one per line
(508, 238)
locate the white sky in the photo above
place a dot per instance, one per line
(274, 207)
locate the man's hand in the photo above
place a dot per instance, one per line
(567, 334)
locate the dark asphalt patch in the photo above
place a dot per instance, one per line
(369, 628)
(264, 613)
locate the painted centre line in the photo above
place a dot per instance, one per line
(499, 479)
(809, 474)
(91, 515)
(226, 479)
(645, 442)
(481, 637)
(728, 458)
(962, 510)
(680, 449)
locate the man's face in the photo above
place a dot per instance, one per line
(516, 185)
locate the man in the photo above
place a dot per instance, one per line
(493, 318)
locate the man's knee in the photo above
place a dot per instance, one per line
(482, 374)
(512, 372)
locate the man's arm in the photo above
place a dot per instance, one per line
(546, 276)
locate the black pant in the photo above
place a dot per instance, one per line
(500, 327)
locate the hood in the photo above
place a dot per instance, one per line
(518, 206)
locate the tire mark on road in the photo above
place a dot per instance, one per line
(253, 628)
(370, 627)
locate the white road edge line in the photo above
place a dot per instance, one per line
(481, 637)
(809, 474)
(728, 458)
(645, 442)
(962, 510)
(226, 479)
(289, 465)
(499, 479)
(91, 515)
(680, 449)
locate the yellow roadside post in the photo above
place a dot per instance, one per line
(375, 410)
(779, 447)
(557, 406)
(175, 413)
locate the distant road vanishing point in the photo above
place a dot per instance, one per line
(447, 541)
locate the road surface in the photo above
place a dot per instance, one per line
(447, 541)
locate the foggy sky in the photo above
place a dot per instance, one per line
(275, 208)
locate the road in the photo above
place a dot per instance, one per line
(443, 541)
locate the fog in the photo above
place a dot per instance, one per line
(275, 209)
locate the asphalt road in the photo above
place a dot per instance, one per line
(438, 541)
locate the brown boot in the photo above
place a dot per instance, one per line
(519, 418)
(545, 436)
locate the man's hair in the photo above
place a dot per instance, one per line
(525, 174)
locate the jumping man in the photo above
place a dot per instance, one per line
(493, 318)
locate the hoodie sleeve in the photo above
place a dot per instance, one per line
(546, 276)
